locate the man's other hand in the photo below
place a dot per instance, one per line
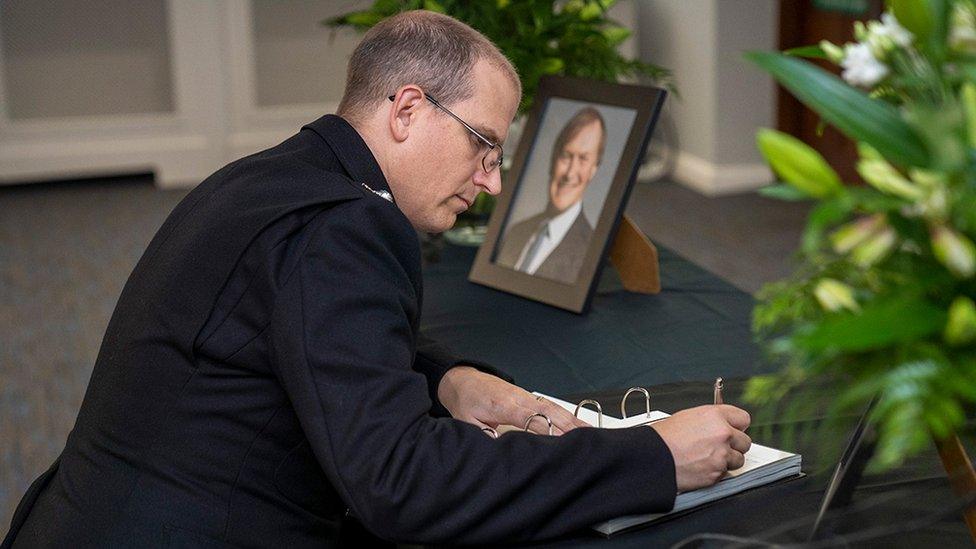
(706, 442)
(488, 401)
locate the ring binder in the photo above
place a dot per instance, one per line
(623, 403)
(529, 419)
(599, 410)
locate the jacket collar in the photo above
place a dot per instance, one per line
(352, 152)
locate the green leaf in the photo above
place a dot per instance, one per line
(616, 35)
(591, 10)
(388, 7)
(849, 110)
(782, 191)
(798, 164)
(551, 65)
(914, 15)
(434, 5)
(826, 213)
(879, 324)
(363, 18)
(811, 52)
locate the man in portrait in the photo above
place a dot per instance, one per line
(552, 244)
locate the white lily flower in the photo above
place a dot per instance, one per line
(860, 66)
(890, 28)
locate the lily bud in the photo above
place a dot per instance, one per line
(883, 176)
(968, 99)
(928, 178)
(875, 248)
(960, 329)
(834, 295)
(833, 52)
(798, 164)
(955, 251)
(867, 152)
(850, 235)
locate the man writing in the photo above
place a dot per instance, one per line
(553, 243)
(262, 379)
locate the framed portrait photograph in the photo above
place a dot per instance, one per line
(567, 188)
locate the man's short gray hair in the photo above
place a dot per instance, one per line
(431, 50)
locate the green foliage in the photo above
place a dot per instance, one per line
(882, 302)
(784, 192)
(851, 111)
(540, 37)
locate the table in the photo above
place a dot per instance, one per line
(675, 343)
(697, 328)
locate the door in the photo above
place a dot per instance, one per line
(807, 22)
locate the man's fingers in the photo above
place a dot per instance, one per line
(560, 417)
(737, 417)
(735, 460)
(740, 442)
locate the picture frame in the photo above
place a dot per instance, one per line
(563, 198)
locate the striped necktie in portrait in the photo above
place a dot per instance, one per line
(537, 240)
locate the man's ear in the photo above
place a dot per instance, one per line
(404, 111)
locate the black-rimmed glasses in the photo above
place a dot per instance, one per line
(493, 158)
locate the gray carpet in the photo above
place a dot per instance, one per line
(67, 248)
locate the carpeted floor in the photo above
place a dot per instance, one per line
(67, 248)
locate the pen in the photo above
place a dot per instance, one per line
(718, 390)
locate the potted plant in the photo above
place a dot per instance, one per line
(540, 37)
(882, 303)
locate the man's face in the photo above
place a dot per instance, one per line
(442, 173)
(575, 166)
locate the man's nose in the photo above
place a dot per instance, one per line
(574, 165)
(491, 182)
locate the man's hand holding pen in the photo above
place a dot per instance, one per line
(706, 441)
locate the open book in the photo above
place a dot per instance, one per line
(763, 465)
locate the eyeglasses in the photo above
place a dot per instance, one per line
(493, 158)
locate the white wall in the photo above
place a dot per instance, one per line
(177, 87)
(67, 58)
(723, 99)
(180, 87)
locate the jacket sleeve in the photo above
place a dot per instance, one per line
(343, 345)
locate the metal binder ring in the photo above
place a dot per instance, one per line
(529, 419)
(647, 400)
(599, 410)
(491, 432)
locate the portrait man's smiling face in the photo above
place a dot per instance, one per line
(575, 166)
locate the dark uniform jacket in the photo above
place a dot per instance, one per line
(564, 262)
(262, 378)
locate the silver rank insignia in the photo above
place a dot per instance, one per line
(385, 195)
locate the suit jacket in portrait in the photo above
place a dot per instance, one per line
(564, 262)
(262, 379)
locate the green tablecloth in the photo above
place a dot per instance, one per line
(697, 328)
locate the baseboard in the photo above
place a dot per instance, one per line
(174, 159)
(713, 179)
